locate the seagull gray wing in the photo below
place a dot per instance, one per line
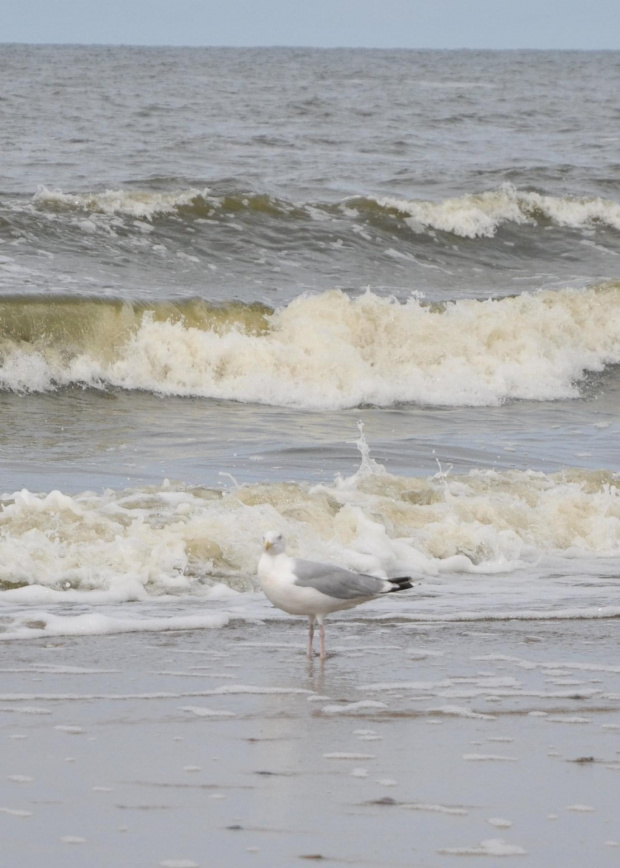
(336, 581)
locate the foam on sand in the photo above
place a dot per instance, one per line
(489, 847)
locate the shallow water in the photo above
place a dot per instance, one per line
(367, 298)
(415, 743)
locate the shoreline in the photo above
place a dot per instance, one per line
(413, 744)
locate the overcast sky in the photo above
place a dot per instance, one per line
(585, 24)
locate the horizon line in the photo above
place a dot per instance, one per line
(277, 46)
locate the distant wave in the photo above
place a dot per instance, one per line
(481, 215)
(149, 205)
(323, 351)
(476, 215)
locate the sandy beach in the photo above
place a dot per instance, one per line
(415, 745)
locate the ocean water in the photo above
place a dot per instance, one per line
(368, 298)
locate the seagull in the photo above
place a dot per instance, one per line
(315, 589)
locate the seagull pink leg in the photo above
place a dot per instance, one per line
(310, 636)
(322, 627)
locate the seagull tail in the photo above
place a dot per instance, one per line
(400, 583)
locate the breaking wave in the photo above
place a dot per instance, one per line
(323, 351)
(149, 205)
(481, 215)
(175, 539)
(475, 215)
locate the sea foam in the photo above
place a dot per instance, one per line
(140, 204)
(481, 214)
(330, 351)
(137, 545)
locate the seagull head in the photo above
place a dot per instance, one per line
(274, 542)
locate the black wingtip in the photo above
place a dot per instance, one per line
(400, 583)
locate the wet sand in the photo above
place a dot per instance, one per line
(415, 745)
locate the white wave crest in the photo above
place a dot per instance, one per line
(140, 204)
(330, 351)
(482, 214)
(475, 215)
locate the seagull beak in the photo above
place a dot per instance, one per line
(268, 545)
